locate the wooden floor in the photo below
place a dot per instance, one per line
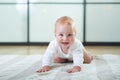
(23, 50)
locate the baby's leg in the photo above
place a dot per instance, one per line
(57, 59)
(87, 56)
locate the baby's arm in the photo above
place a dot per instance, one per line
(74, 69)
(47, 58)
(44, 69)
(77, 60)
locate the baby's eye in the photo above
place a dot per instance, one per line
(60, 34)
(70, 34)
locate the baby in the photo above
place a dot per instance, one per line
(65, 47)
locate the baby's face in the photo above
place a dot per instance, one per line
(65, 35)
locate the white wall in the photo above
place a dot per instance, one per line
(102, 21)
(12, 24)
(43, 17)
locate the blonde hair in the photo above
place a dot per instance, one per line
(65, 20)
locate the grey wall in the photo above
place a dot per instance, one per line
(33, 21)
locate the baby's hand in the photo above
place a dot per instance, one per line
(44, 69)
(74, 69)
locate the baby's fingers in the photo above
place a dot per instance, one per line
(43, 70)
(69, 70)
(40, 70)
(72, 70)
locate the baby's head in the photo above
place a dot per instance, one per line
(65, 31)
(65, 20)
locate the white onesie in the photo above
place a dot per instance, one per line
(75, 53)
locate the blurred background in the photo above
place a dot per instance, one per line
(32, 21)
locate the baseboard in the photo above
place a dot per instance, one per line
(46, 43)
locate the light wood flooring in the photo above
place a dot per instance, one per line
(30, 50)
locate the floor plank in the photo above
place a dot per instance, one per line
(23, 50)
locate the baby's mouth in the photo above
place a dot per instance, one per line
(65, 43)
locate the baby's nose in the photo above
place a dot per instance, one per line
(65, 38)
